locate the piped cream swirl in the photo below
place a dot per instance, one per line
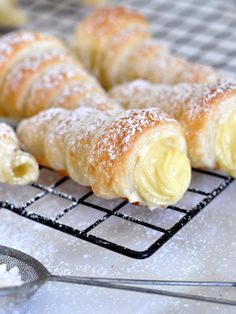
(16, 166)
(225, 145)
(163, 173)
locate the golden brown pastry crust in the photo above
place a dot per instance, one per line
(96, 148)
(114, 146)
(36, 72)
(115, 44)
(198, 108)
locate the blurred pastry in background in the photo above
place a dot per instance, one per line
(206, 112)
(116, 45)
(16, 167)
(10, 14)
(37, 72)
(94, 2)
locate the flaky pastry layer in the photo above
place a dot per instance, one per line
(38, 72)
(207, 114)
(116, 45)
(119, 154)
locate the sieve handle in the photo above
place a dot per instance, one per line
(151, 282)
(113, 285)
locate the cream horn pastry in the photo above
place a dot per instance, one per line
(94, 2)
(116, 45)
(38, 72)
(207, 114)
(10, 14)
(139, 155)
(16, 167)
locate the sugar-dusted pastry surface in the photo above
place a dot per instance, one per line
(225, 144)
(207, 114)
(38, 72)
(118, 153)
(115, 44)
(16, 166)
(94, 2)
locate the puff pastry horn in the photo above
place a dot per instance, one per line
(207, 113)
(10, 14)
(94, 2)
(139, 155)
(38, 72)
(16, 166)
(116, 45)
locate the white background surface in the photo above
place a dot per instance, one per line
(204, 249)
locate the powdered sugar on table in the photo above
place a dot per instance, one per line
(9, 278)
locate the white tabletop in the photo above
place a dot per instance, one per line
(204, 249)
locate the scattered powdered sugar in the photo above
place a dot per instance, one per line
(44, 117)
(193, 99)
(11, 277)
(50, 76)
(168, 98)
(85, 88)
(106, 20)
(143, 57)
(125, 33)
(13, 39)
(85, 93)
(117, 138)
(153, 61)
(65, 124)
(49, 84)
(55, 75)
(32, 62)
(7, 134)
(202, 100)
(104, 136)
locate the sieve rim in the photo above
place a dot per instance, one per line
(27, 287)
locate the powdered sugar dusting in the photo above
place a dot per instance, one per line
(54, 76)
(87, 122)
(104, 136)
(202, 99)
(79, 89)
(153, 61)
(46, 77)
(31, 63)
(13, 39)
(93, 122)
(193, 99)
(106, 20)
(50, 83)
(142, 56)
(7, 132)
(119, 136)
(86, 93)
(44, 117)
(67, 122)
(9, 278)
(142, 94)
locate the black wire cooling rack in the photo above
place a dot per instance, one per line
(161, 233)
(192, 29)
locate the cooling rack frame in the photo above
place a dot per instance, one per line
(167, 234)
